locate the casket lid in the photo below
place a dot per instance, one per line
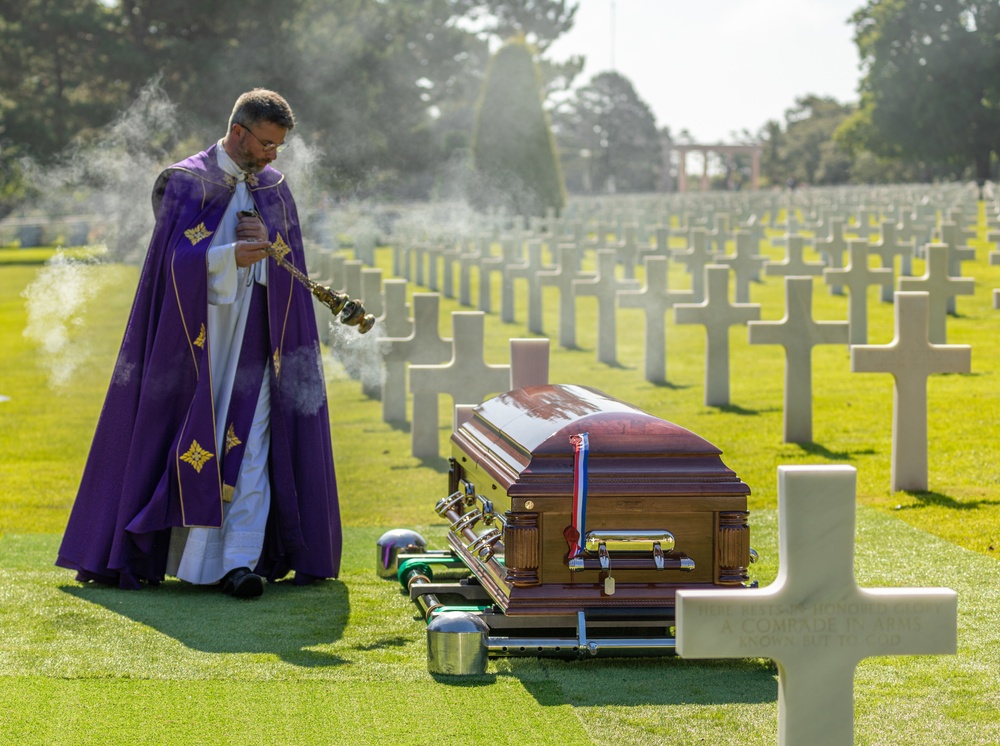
(525, 434)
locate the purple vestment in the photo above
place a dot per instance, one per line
(152, 465)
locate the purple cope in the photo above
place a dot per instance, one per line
(152, 464)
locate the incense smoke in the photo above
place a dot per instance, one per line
(103, 180)
(99, 182)
(358, 356)
(56, 303)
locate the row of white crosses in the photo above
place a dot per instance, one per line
(797, 332)
(911, 357)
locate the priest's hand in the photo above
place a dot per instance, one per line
(249, 227)
(250, 252)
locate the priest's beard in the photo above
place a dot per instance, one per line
(245, 158)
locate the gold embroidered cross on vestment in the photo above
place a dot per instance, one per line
(196, 234)
(197, 456)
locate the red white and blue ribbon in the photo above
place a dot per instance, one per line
(576, 532)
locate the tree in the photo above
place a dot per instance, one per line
(805, 150)
(512, 148)
(541, 22)
(379, 87)
(609, 137)
(930, 87)
(54, 72)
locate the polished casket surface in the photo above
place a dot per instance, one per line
(647, 476)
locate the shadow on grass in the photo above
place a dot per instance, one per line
(618, 365)
(389, 642)
(288, 621)
(473, 680)
(743, 411)
(403, 427)
(937, 499)
(655, 681)
(816, 449)
(438, 464)
(669, 385)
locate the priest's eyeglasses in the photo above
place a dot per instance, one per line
(269, 147)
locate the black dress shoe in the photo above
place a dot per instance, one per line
(242, 583)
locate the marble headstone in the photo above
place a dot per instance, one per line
(813, 620)
(910, 358)
(798, 333)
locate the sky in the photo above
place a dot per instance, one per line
(716, 67)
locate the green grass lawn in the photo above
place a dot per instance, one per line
(345, 662)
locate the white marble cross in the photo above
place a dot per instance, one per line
(604, 286)
(655, 299)
(432, 258)
(466, 261)
(912, 227)
(490, 264)
(423, 345)
(364, 245)
(449, 255)
(887, 248)
(467, 378)
(798, 334)
(563, 277)
(369, 357)
(746, 263)
(416, 257)
(352, 277)
(832, 250)
(794, 263)
(717, 314)
(662, 241)
(628, 251)
(528, 269)
(857, 276)
(952, 235)
(717, 236)
(862, 228)
(395, 319)
(813, 620)
(941, 288)
(911, 358)
(371, 290)
(696, 257)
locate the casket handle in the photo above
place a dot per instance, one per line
(483, 544)
(448, 503)
(629, 540)
(467, 520)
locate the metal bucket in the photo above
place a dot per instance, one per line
(456, 644)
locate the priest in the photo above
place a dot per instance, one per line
(212, 459)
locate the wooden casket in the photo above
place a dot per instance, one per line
(663, 511)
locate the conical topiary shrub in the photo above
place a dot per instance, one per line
(513, 150)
